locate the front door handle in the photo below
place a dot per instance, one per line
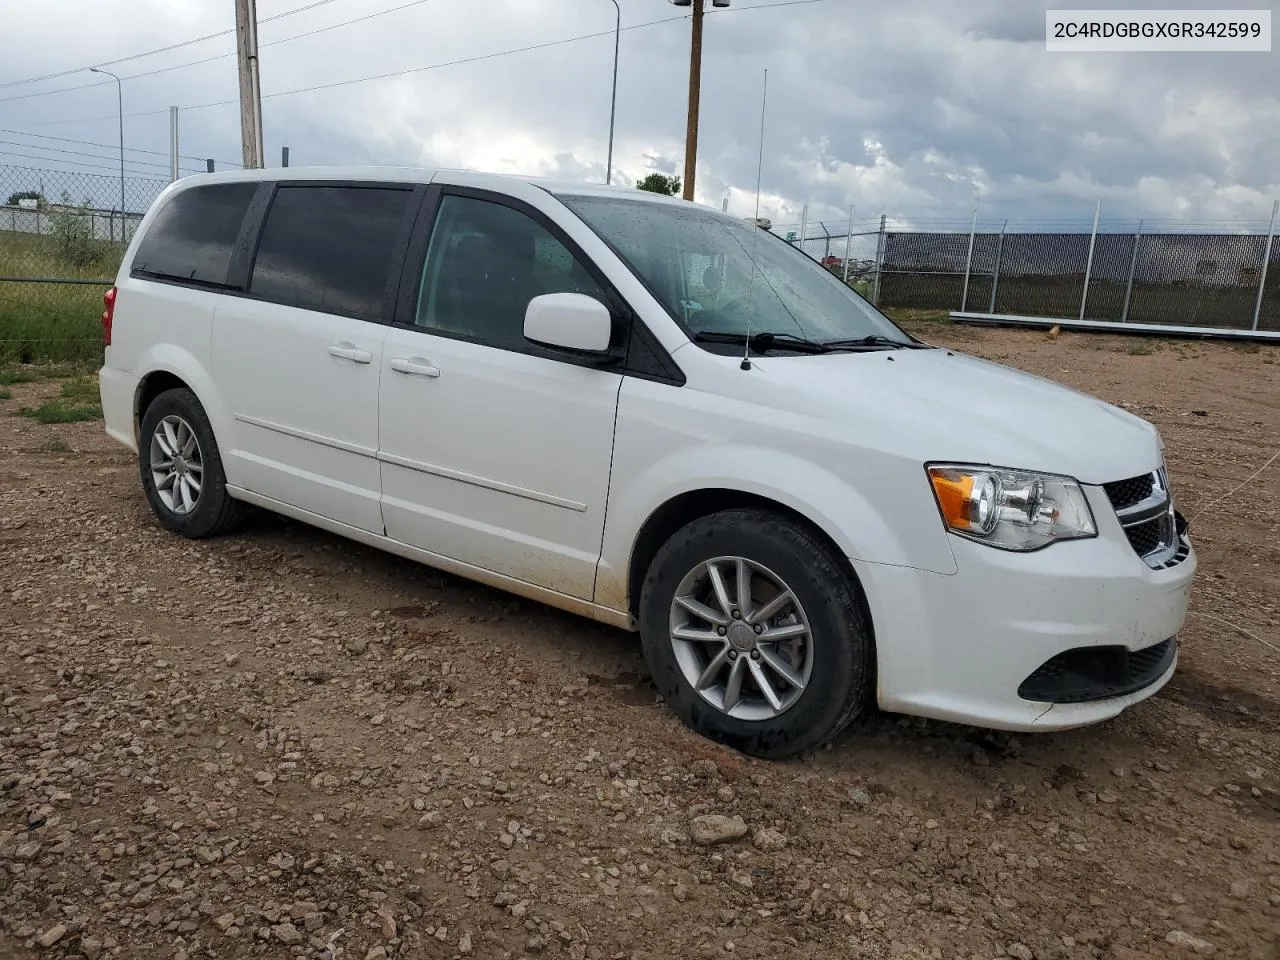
(415, 366)
(349, 351)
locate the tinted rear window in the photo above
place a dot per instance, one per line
(330, 249)
(193, 235)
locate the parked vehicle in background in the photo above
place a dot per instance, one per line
(658, 416)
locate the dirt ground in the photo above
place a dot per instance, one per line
(280, 742)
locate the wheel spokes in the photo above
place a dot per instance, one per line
(702, 611)
(772, 608)
(713, 669)
(766, 688)
(694, 635)
(783, 669)
(731, 646)
(718, 586)
(733, 688)
(785, 632)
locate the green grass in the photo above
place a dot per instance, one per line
(77, 401)
(47, 321)
(54, 445)
(82, 389)
(58, 411)
(31, 372)
(6, 394)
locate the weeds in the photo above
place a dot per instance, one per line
(54, 445)
(1140, 350)
(6, 394)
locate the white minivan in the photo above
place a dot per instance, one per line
(658, 416)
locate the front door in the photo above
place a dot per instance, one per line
(493, 451)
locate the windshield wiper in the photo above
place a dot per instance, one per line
(875, 340)
(761, 342)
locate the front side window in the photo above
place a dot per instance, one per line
(485, 262)
(194, 234)
(330, 249)
(721, 276)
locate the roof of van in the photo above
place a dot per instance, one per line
(427, 174)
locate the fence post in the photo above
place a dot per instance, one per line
(968, 261)
(1266, 260)
(1133, 266)
(1088, 267)
(826, 240)
(875, 292)
(804, 226)
(848, 246)
(995, 274)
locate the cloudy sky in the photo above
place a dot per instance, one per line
(916, 109)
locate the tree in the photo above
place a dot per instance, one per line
(660, 183)
(35, 195)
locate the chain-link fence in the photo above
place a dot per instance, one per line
(1166, 272)
(1211, 279)
(62, 235)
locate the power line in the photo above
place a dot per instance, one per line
(384, 76)
(216, 57)
(137, 174)
(172, 46)
(80, 153)
(110, 146)
(400, 73)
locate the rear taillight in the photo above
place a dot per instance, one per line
(108, 313)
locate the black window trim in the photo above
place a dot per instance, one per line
(627, 325)
(256, 221)
(227, 284)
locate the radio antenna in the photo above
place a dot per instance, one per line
(751, 301)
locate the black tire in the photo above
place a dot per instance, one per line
(840, 684)
(215, 511)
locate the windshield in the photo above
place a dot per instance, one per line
(721, 276)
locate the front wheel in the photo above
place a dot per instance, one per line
(756, 633)
(181, 468)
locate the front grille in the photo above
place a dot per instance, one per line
(1145, 511)
(1146, 537)
(1125, 493)
(1086, 674)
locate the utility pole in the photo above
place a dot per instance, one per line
(173, 144)
(250, 92)
(695, 95)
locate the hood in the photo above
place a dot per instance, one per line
(940, 405)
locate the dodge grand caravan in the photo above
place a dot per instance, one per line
(658, 416)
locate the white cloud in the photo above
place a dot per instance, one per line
(914, 112)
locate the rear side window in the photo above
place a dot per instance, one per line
(194, 234)
(331, 249)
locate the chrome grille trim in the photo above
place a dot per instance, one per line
(1150, 525)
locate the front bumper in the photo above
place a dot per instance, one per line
(1073, 616)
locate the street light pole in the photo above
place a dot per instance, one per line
(120, 111)
(613, 108)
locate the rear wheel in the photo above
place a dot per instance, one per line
(756, 633)
(181, 468)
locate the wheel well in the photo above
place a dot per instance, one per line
(686, 508)
(152, 385)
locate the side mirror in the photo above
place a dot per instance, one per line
(569, 321)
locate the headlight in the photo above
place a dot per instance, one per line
(1010, 509)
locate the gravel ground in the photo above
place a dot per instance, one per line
(281, 743)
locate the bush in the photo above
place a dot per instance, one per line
(73, 233)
